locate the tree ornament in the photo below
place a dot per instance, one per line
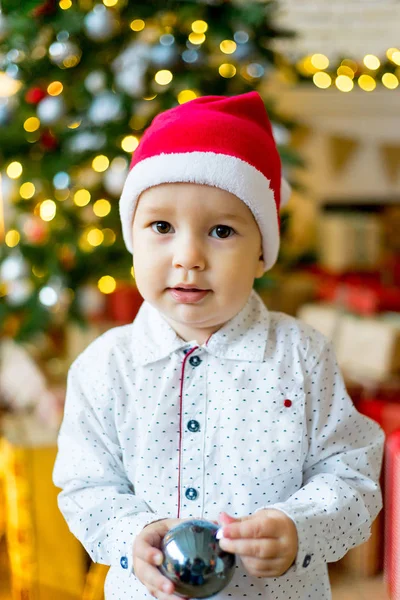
(18, 292)
(96, 82)
(51, 109)
(48, 140)
(35, 230)
(13, 267)
(105, 107)
(100, 24)
(6, 110)
(194, 560)
(63, 52)
(46, 8)
(164, 55)
(50, 294)
(67, 257)
(130, 68)
(85, 141)
(35, 95)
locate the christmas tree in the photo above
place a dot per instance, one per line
(80, 81)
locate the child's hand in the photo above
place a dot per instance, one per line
(147, 556)
(266, 541)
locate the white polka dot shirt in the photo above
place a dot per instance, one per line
(256, 417)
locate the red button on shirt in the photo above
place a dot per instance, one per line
(288, 403)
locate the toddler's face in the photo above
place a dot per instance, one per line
(201, 236)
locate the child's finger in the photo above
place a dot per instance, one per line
(146, 552)
(251, 528)
(263, 549)
(152, 578)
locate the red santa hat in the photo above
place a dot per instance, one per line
(225, 142)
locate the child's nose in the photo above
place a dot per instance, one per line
(189, 254)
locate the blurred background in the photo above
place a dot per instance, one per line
(80, 80)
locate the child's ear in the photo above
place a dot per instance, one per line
(260, 267)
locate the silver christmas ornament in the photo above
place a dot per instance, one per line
(163, 55)
(106, 107)
(64, 54)
(194, 560)
(100, 24)
(15, 56)
(96, 82)
(13, 71)
(6, 111)
(130, 68)
(48, 296)
(13, 267)
(51, 109)
(86, 140)
(18, 292)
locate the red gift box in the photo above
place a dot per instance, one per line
(123, 304)
(387, 414)
(392, 516)
(362, 293)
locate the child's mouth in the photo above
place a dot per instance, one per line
(188, 295)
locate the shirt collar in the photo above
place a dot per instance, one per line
(242, 338)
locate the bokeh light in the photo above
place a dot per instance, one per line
(107, 284)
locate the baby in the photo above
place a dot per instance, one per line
(208, 405)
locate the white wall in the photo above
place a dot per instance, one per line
(371, 119)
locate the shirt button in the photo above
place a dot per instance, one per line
(124, 562)
(193, 426)
(307, 560)
(195, 361)
(191, 494)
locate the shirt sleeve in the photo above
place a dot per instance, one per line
(340, 497)
(97, 500)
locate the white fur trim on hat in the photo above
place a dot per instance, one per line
(208, 168)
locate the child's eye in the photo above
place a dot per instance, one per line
(162, 227)
(223, 231)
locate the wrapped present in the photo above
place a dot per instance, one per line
(124, 303)
(387, 414)
(365, 347)
(46, 561)
(392, 516)
(362, 293)
(349, 241)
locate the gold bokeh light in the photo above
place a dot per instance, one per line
(163, 77)
(82, 197)
(227, 70)
(100, 163)
(322, 80)
(27, 190)
(101, 208)
(199, 26)
(186, 95)
(47, 210)
(107, 284)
